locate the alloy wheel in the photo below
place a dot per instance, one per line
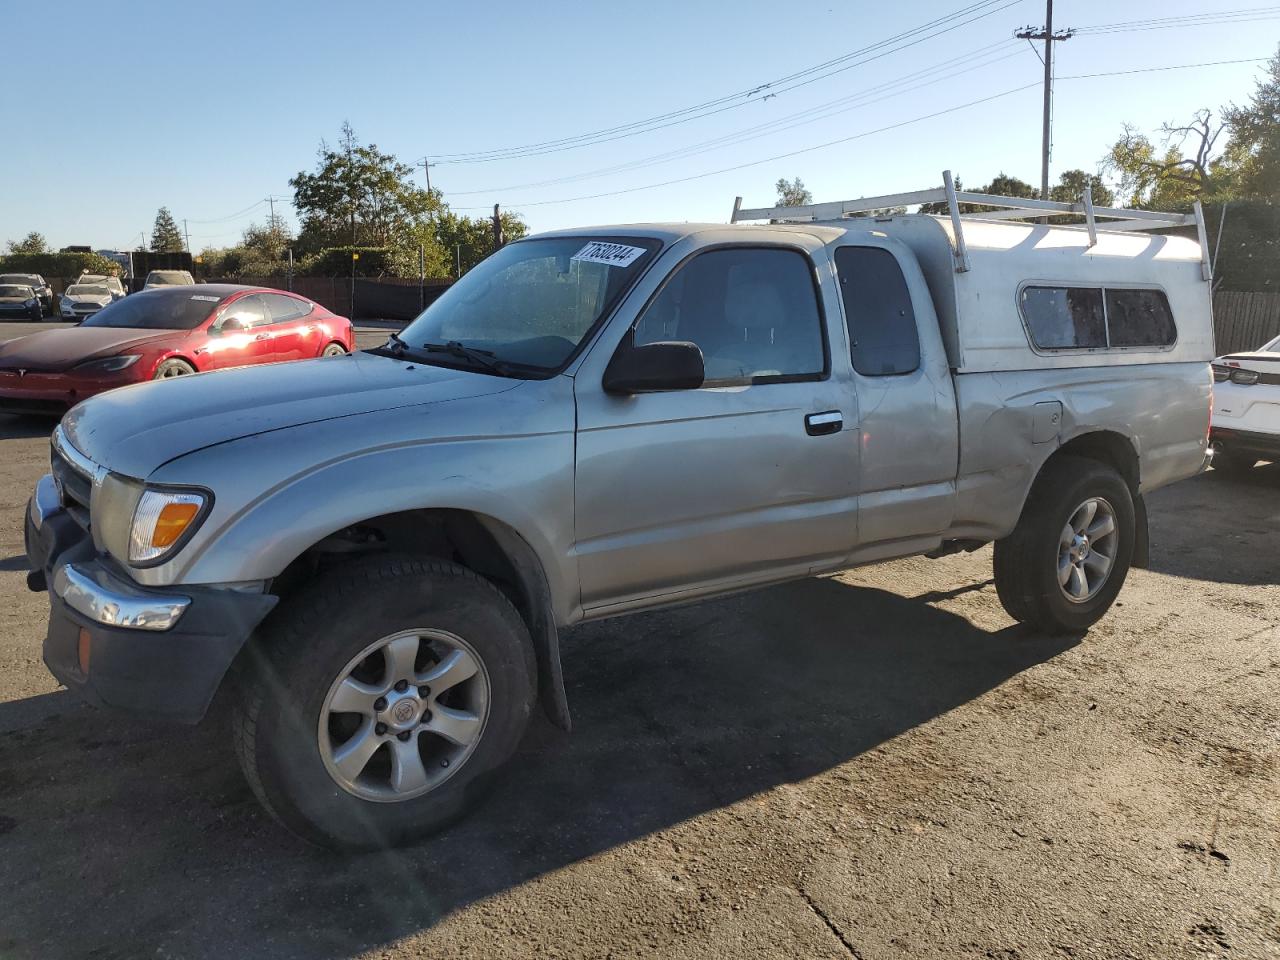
(1087, 550)
(404, 714)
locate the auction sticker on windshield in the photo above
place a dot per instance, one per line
(613, 254)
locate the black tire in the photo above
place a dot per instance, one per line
(173, 368)
(1231, 463)
(1026, 561)
(303, 651)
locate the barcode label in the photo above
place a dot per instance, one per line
(612, 254)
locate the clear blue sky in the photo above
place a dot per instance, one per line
(210, 109)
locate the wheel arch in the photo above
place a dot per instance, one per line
(1115, 450)
(1108, 447)
(484, 544)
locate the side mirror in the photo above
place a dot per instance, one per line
(232, 325)
(652, 367)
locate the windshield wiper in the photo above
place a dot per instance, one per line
(481, 358)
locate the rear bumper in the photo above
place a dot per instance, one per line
(1265, 446)
(116, 644)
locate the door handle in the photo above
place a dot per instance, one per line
(821, 424)
(263, 336)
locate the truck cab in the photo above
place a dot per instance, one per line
(379, 551)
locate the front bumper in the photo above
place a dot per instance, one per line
(1264, 446)
(52, 392)
(116, 644)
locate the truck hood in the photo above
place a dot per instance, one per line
(133, 430)
(63, 349)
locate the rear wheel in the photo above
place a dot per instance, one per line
(173, 368)
(334, 350)
(382, 699)
(1067, 559)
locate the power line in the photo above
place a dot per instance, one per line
(857, 136)
(780, 156)
(232, 216)
(1176, 66)
(800, 118)
(904, 40)
(1249, 15)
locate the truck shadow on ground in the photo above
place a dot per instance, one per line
(1189, 539)
(120, 838)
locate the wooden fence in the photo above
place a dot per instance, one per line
(1245, 321)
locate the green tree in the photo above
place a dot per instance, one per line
(1181, 167)
(792, 193)
(165, 235)
(472, 238)
(360, 196)
(1252, 155)
(33, 242)
(1072, 184)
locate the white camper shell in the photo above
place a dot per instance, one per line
(984, 268)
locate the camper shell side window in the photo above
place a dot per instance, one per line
(1090, 318)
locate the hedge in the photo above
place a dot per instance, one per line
(58, 265)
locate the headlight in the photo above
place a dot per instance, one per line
(108, 364)
(30, 303)
(1221, 374)
(162, 521)
(1245, 377)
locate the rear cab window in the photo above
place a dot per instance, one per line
(1096, 318)
(883, 339)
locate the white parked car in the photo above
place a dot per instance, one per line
(113, 284)
(1246, 408)
(168, 278)
(82, 300)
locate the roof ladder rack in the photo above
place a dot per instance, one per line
(1007, 208)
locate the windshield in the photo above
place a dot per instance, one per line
(9, 290)
(168, 278)
(534, 301)
(23, 279)
(87, 290)
(157, 310)
(1272, 347)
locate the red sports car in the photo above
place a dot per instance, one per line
(165, 332)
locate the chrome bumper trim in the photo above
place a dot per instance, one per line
(46, 501)
(116, 606)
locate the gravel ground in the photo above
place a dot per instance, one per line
(874, 765)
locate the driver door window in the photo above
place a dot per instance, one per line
(752, 311)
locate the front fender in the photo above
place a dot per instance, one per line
(260, 522)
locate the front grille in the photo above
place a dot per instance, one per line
(85, 307)
(76, 487)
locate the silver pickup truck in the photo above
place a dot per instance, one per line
(377, 551)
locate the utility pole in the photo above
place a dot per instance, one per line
(1050, 38)
(497, 228)
(426, 166)
(186, 234)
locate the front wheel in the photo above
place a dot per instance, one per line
(381, 699)
(1065, 562)
(173, 368)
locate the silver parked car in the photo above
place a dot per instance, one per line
(168, 278)
(82, 300)
(381, 548)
